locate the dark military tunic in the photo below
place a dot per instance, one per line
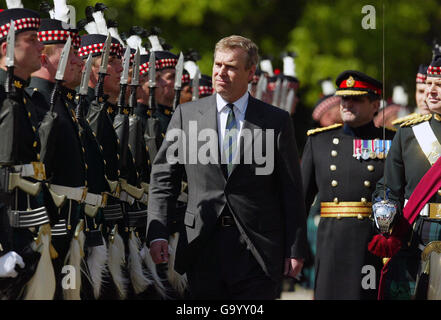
(405, 166)
(69, 166)
(328, 167)
(28, 151)
(164, 114)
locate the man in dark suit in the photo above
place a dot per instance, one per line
(245, 224)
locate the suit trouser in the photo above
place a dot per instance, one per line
(226, 269)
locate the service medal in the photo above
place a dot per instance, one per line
(365, 154)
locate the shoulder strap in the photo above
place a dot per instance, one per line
(427, 140)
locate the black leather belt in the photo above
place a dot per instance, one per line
(227, 221)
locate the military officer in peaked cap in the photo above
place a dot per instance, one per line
(343, 163)
(415, 149)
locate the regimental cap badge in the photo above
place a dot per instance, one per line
(350, 82)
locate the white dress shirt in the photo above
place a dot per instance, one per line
(240, 107)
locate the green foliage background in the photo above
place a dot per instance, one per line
(327, 35)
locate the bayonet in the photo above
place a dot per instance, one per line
(59, 76)
(195, 85)
(10, 44)
(82, 93)
(179, 70)
(85, 76)
(99, 91)
(10, 50)
(178, 80)
(105, 55)
(261, 87)
(276, 92)
(135, 80)
(123, 81)
(289, 100)
(283, 93)
(152, 81)
(126, 65)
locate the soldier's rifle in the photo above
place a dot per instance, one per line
(152, 81)
(178, 80)
(195, 85)
(102, 73)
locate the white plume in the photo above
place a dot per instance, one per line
(191, 67)
(74, 258)
(114, 33)
(116, 263)
(151, 267)
(177, 281)
(96, 262)
(327, 87)
(13, 4)
(101, 24)
(134, 41)
(91, 28)
(61, 11)
(266, 66)
(156, 45)
(289, 67)
(42, 284)
(139, 278)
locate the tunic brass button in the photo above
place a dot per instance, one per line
(367, 183)
(335, 141)
(334, 153)
(370, 167)
(360, 217)
(333, 167)
(363, 200)
(334, 183)
(336, 200)
(439, 192)
(338, 216)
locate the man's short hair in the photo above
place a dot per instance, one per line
(246, 44)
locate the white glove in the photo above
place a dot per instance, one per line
(8, 262)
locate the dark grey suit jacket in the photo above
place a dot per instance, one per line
(269, 209)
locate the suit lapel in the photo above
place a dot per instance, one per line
(208, 120)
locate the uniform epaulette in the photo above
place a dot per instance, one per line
(417, 120)
(392, 129)
(405, 118)
(317, 130)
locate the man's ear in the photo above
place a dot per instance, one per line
(44, 60)
(251, 73)
(376, 106)
(3, 48)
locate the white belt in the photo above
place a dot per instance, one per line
(124, 196)
(35, 170)
(72, 193)
(94, 199)
(424, 211)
